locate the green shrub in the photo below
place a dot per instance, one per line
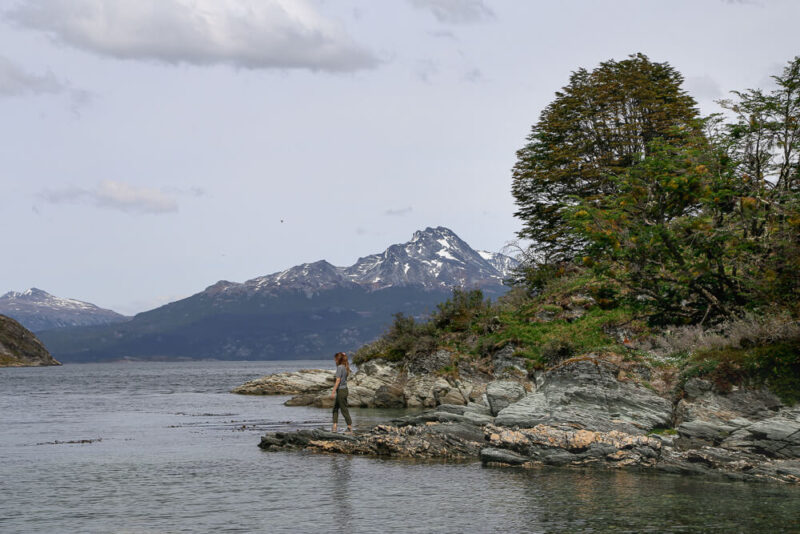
(458, 312)
(558, 348)
(776, 366)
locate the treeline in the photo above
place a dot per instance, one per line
(695, 219)
(653, 234)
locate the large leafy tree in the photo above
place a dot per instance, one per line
(764, 138)
(601, 124)
(708, 225)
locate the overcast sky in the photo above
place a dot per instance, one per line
(149, 148)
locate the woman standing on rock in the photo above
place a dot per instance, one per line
(339, 394)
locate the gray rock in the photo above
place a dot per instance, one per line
(429, 363)
(700, 401)
(709, 432)
(776, 437)
(477, 418)
(746, 420)
(303, 382)
(502, 393)
(481, 409)
(586, 393)
(504, 362)
(459, 431)
(389, 396)
(452, 408)
(491, 455)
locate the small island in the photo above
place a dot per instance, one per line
(19, 347)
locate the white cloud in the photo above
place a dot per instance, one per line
(255, 34)
(16, 81)
(115, 195)
(456, 11)
(399, 211)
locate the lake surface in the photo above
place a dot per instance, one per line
(172, 451)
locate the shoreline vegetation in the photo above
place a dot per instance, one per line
(653, 321)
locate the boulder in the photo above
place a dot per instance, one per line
(586, 393)
(501, 393)
(429, 391)
(389, 396)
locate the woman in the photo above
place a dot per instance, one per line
(339, 394)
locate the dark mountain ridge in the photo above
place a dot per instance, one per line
(309, 310)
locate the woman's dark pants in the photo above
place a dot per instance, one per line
(341, 402)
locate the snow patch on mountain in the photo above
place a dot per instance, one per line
(434, 258)
(38, 310)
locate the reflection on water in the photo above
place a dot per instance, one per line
(178, 454)
(341, 471)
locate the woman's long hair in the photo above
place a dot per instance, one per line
(341, 359)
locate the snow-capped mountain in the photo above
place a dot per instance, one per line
(38, 310)
(504, 264)
(308, 311)
(434, 258)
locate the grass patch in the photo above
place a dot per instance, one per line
(557, 340)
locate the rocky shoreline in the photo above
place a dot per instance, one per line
(596, 410)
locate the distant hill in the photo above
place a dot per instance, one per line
(310, 310)
(19, 346)
(39, 310)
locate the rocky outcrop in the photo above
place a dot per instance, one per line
(439, 440)
(304, 381)
(418, 383)
(563, 445)
(587, 394)
(588, 412)
(744, 421)
(19, 347)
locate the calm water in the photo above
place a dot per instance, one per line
(175, 452)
